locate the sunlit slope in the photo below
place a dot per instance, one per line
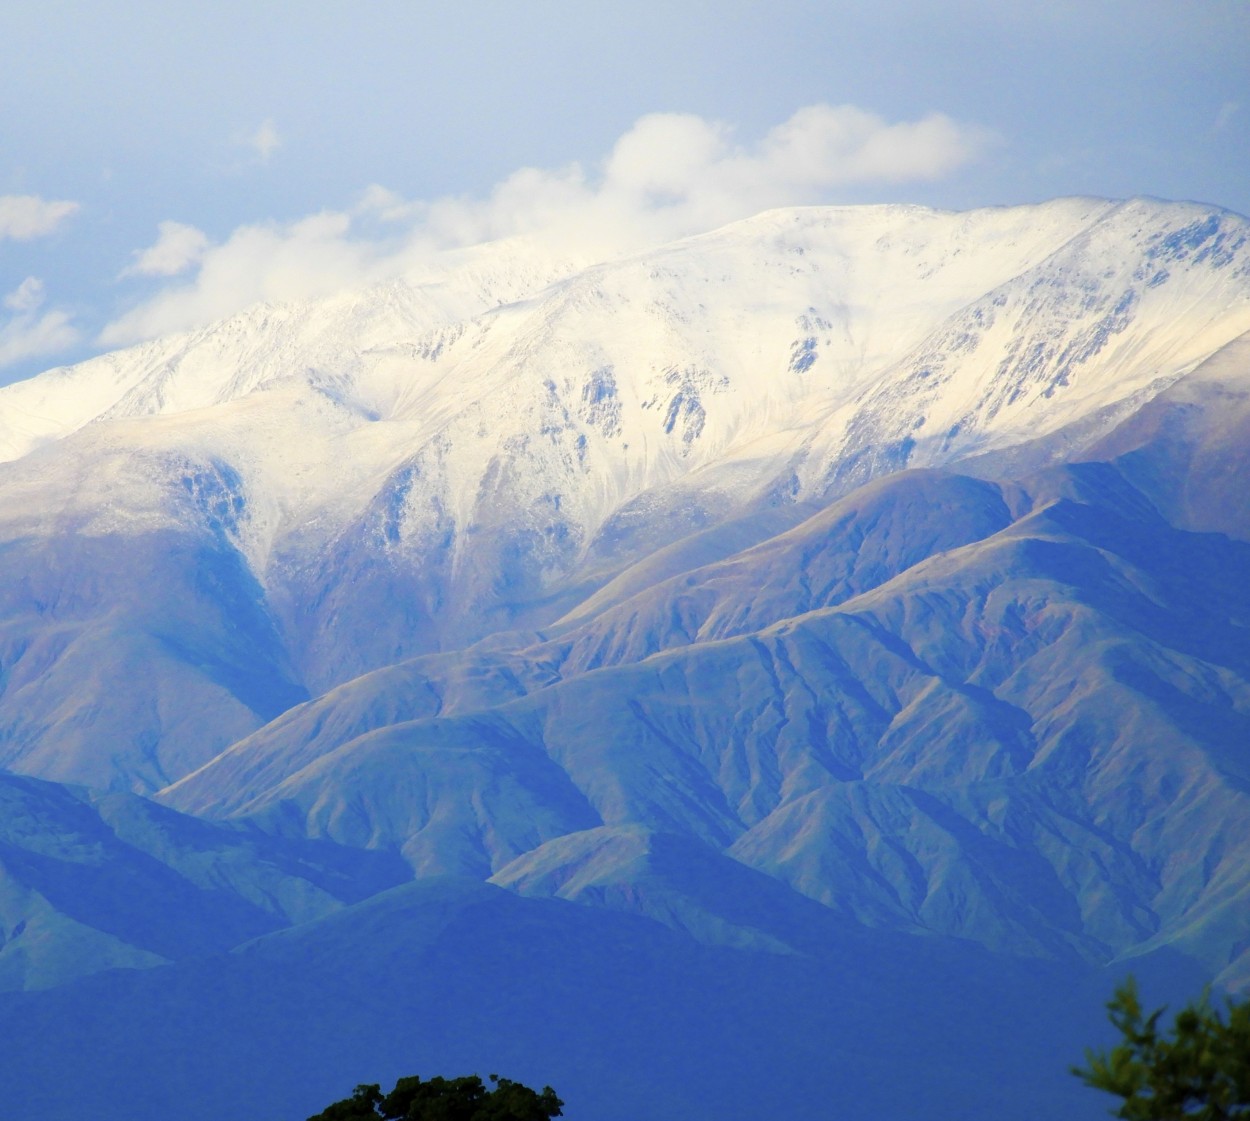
(1028, 732)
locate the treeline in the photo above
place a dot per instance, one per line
(1198, 1069)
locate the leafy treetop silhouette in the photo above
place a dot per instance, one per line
(1199, 1071)
(446, 1099)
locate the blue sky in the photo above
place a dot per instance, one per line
(162, 164)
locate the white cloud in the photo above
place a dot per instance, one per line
(264, 141)
(28, 334)
(674, 174)
(177, 248)
(670, 175)
(308, 258)
(386, 204)
(23, 217)
(26, 297)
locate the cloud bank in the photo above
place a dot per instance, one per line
(23, 217)
(670, 175)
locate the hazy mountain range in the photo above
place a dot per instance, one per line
(792, 672)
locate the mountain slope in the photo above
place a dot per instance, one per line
(90, 882)
(1010, 739)
(622, 1016)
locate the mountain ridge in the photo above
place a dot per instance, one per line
(846, 581)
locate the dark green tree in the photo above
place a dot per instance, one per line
(447, 1099)
(359, 1107)
(1199, 1070)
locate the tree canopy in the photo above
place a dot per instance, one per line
(446, 1099)
(1199, 1070)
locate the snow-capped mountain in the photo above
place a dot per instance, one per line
(842, 575)
(369, 478)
